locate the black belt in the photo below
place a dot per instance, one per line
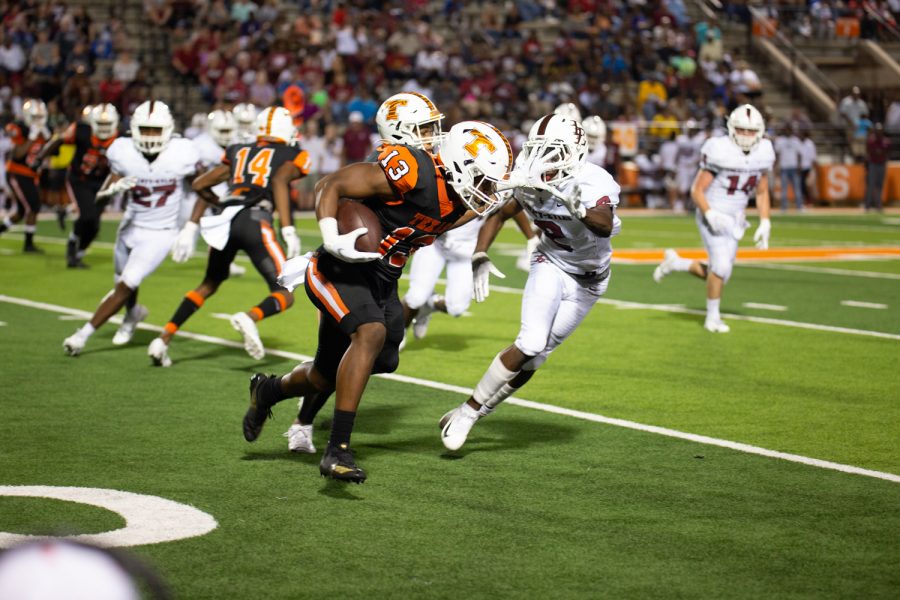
(591, 277)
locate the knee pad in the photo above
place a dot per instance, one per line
(416, 298)
(721, 267)
(455, 308)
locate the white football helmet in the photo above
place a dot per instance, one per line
(557, 146)
(86, 114)
(409, 118)
(746, 127)
(104, 121)
(568, 109)
(151, 127)
(475, 158)
(34, 111)
(595, 129)
(245, 113)
(276, 123)
(222, 127)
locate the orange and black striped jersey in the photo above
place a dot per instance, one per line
(252, 167)
(89, 161)
(423, 206)
(18, 133)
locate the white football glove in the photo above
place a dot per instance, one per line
(119, 186)
(343, 246)
(184, 245)
(572, 202)
(718, 221)
(291, 241)
(761, 237)
(482, 269)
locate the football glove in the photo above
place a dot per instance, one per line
(572, 202)
(482, 269)
(119, 186)
(718, 221)
(343, 246)
(291, 241)
(184, 245)
(36, 132)
(761, 237)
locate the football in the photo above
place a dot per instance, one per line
(352, 215)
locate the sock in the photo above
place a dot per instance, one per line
(29, 234)
(271, 391)
(87, 330)
(681, 264)
(191, 304)
(712, 309)
(505, 392)
(274, 303)
(7, 222)
(493, 379)
(311, 406)
(341, 428)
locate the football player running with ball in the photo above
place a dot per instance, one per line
(258, 175)
(416, 196)
(573, 203)
(732, 169)
(151, 166)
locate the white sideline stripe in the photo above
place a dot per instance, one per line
(858, 304)
(675, 308)
(70, 317)
(823, 270)
(700, 439)
(762, 306)
(2, 323)
(223, 316)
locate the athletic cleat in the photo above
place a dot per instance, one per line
(236, 270)
(338, 463)
(158, 351)
(666, 266)
(402, 344)
(300, 439)
(76, 263)
(247, 328)
(456, 425)
(32, 249)
(716, 326)
(126, 330)
(420, 323)
(74, 344)
(259, 411)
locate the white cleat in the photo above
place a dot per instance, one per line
(456, 425)
(247, 328)
(402, 344)
(666, 266)
(420, 322)
(300, 439)
(129, 324)
(236, 270)
(716, 326)
(74, 344)
(158, 351)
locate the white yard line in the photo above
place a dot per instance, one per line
(823, 270)
(223, 316)
(761, 306)
(859, 304)
(700, 439)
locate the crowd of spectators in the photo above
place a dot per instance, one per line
(822, 19)
(56, 52)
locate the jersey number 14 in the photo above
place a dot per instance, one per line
(735, 180)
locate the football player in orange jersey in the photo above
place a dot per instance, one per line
(417, 196)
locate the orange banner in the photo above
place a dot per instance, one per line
(847, 183)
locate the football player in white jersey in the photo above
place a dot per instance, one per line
(573, 203)
(245, 114)
(151, 166)
(732, 168)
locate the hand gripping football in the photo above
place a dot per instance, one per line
(352, 215)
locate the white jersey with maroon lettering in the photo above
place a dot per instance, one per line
(736, 174)
(155, 202)
(566, 241)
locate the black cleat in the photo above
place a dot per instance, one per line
(76, 263)
(259, 410)
(32, 249)
(338, 463)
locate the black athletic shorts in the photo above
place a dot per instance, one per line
(349, 295)
(25, 191)
(252, 232)
(53, 180)
(84, 193)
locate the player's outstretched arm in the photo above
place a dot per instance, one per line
(281, 193)
(204, 183)
(494, 223)
(115, 184)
